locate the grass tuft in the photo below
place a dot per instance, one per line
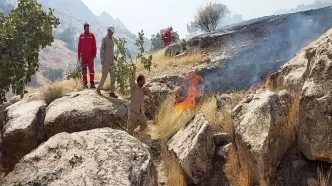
(323, 178)
(52, 93)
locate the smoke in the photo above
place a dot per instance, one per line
(260, 48)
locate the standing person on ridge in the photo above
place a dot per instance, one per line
(87, 51)
(107, 60)
(169, 36)
(136, 114)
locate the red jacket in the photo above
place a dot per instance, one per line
(87, 48)
(168, 34)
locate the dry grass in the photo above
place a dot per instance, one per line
(172, 168)
(220, 122)
(52, 93)
(169, 120)
(323, 178)
(66, 86)
(236, 174)
(163, 62)
(293, 115)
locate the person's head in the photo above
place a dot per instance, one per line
(170, 28)
(86, 28)
(140, 80)
(110, 31)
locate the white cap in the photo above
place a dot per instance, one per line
(111, 28)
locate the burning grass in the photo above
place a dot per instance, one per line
(189, 96)
(168, 120)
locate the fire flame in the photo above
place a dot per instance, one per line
(263, 85)
(267, 81)
(193, 93)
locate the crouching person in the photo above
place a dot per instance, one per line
(136, 114)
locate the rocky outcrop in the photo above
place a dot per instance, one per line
(309, 74)
(95, 157)
(194, 147)
(161, 88)
(174, 49)
(83, 111)
(263, 133)
(293, 74)
(315, 120)
(23, 131)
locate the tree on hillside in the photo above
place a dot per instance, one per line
(193, 28)
(157, 43)
(23, 33)
(208, 17)
(68, 36)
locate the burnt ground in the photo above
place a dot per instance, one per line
(243, 55)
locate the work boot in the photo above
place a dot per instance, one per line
(112, 95)
(85, 86)
(92, 84)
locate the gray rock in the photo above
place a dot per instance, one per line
(85, 110)
(174, 50)
(194, 147)
(95, 157)
(262, 133)
(223, 151)
(23, 131)
(15, 99)
(315, 119)
(161, 89)
(221, 139)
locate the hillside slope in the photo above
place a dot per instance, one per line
(246, 53)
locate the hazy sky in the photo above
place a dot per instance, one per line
(152, 15)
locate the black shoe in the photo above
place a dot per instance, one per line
(85, 86)
(112, 95)
(92, 84)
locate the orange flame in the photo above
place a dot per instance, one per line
(267, 81)
(193, 94)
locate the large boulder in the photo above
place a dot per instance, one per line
(83, 111)
(161, 88)
(315, 124)
(263, 133)
(23, 131)
(95, 157)
(174, 49)
(309, 74)
(194, 147)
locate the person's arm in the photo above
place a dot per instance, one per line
(132, 78)
(102, 49)
(94, 46)
(146, 91)
(79, 48)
